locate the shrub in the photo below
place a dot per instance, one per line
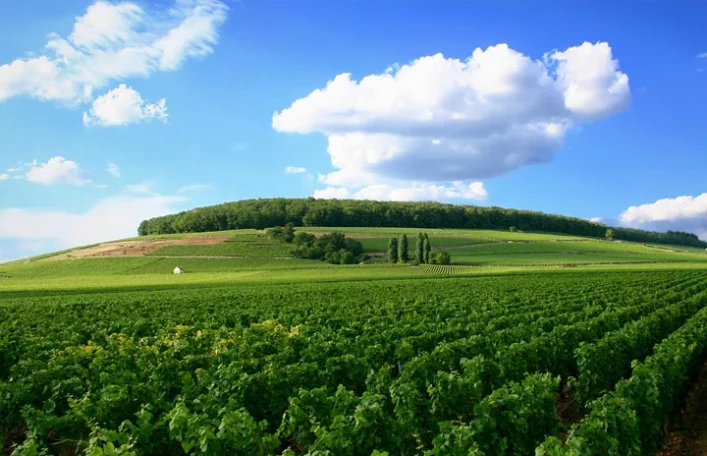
(282, 233)
(441, 258)
(334, 248)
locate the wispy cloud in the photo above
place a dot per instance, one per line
(114, 169)
(195, 188)
(142, 188)
(110, 218)
(111, 42)
(403, 191)
(702, 55)
(295, 170)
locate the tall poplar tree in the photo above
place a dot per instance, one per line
(428, 248)
(403, 249)
(393, 250)
(419, 249)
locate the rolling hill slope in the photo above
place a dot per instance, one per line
(250, 256)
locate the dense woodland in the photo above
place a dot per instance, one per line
(263, 213)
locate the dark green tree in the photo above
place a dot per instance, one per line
(427, 248)
(420, 249)
(393, 250)
(403, 249)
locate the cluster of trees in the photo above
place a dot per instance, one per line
(283, 233)
(398, 251)
(262, 213)
(334, 248)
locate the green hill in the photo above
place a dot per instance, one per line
(263, 213)
(248, 256)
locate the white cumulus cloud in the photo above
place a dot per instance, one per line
(440, 119)
(113, 169)
(121, 106)
(407, 192)
(114, 41)
(684, 213)
(58, 170)
(591, 81)
(295, 170)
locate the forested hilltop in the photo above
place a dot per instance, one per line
(263, 213)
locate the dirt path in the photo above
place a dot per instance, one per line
(690, 436)
(135, 248)
(223, 257)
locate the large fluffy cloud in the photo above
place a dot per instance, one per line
(684, 213)
(121, 106)
(114, 41)
(446, 119)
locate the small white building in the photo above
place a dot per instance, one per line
(178, 270)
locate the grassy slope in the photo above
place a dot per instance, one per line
(260, 260)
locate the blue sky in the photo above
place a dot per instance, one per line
(590, 109)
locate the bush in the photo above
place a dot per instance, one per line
(282, 233)
(334, 248)
(303, 239)
(441, 258)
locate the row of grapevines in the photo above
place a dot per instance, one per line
(258, 370)
(514, 419)
(455, 399)
(629, 420)
(606, 361)
(448, 384)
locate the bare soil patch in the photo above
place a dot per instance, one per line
(135, 248)
(567, 411)
(689, 436)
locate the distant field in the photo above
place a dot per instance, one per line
(570, 252)
(241, 245)
(486, 235)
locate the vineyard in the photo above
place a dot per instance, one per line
(433, 366)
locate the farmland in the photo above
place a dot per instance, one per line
(255, 352)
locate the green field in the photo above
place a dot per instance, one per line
(255, 245)
(254, 352)
(568, 252)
